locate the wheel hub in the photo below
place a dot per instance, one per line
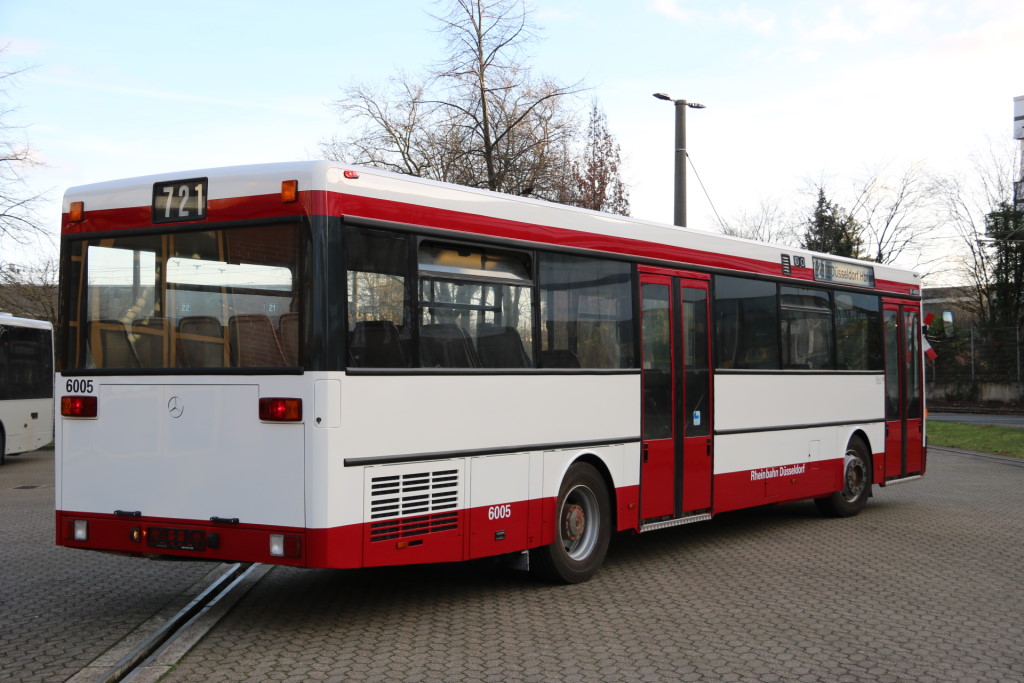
(855, 477)
(575, 522)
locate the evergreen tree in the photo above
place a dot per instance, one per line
(832, 230)
(1005, 226)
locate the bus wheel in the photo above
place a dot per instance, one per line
(582, 529)
(856, 483)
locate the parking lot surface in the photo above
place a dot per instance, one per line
(922, 586)
(60, 609)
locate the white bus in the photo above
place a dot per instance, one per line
(325, 366)
(26, 385)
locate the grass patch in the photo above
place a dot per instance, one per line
(981, 438)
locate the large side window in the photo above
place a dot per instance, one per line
(586, 313)
(747, 321)
(26, 363)
(376, 265)
(806, 329)
(475, 307)
(858, 332)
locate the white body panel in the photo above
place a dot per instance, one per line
(783, 405)
(27, 424)
(453, 416)
(779, 400)
(214, 460)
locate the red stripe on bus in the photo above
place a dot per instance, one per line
(338, 204)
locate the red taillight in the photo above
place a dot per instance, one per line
(78, 406)
(281, 409)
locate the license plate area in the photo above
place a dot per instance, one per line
(175, 539)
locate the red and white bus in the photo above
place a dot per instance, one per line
(325, 366)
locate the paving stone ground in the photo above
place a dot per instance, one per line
(62, 608)
(925, 585)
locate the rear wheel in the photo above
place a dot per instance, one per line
(856, 490)
(582, 529)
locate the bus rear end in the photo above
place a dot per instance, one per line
(180, 388)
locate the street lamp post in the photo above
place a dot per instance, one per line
(680, 195)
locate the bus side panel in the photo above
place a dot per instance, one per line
(772, 467)
(27, 424)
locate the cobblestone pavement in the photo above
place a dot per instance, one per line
(61, 608)
(925, 585)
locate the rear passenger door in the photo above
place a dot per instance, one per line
(676, 468)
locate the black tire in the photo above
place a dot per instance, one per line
(3, 447)
(583, 529)
(856, 483)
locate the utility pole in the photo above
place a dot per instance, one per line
(679, 217)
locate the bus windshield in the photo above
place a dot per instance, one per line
(203, 299)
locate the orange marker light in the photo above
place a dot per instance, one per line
(77, 212)
(289, 191)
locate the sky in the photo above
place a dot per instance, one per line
(796, 91)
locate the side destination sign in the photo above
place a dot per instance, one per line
(841, 273)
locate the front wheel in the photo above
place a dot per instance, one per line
(856, 490)
(582, 529)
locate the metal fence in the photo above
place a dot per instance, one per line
(978, 364)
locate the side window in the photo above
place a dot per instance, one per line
(748, 323)
(26, 364)
(806, 329)
(376, 265)
(475, 307)
(858, 332)
(586, 308)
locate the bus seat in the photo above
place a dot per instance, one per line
(201, 342)
(501, 347)
(253, 342)
(376, 344)
(150, 339)
(288, 330)
(446, 346)
(110, 346)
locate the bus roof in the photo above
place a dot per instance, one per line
(11, 320)
(330, 188)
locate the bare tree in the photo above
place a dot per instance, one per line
(968, 202)
(30, 291)
(18, 221)
(480, 118)
(768, 223)
(896, 214)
